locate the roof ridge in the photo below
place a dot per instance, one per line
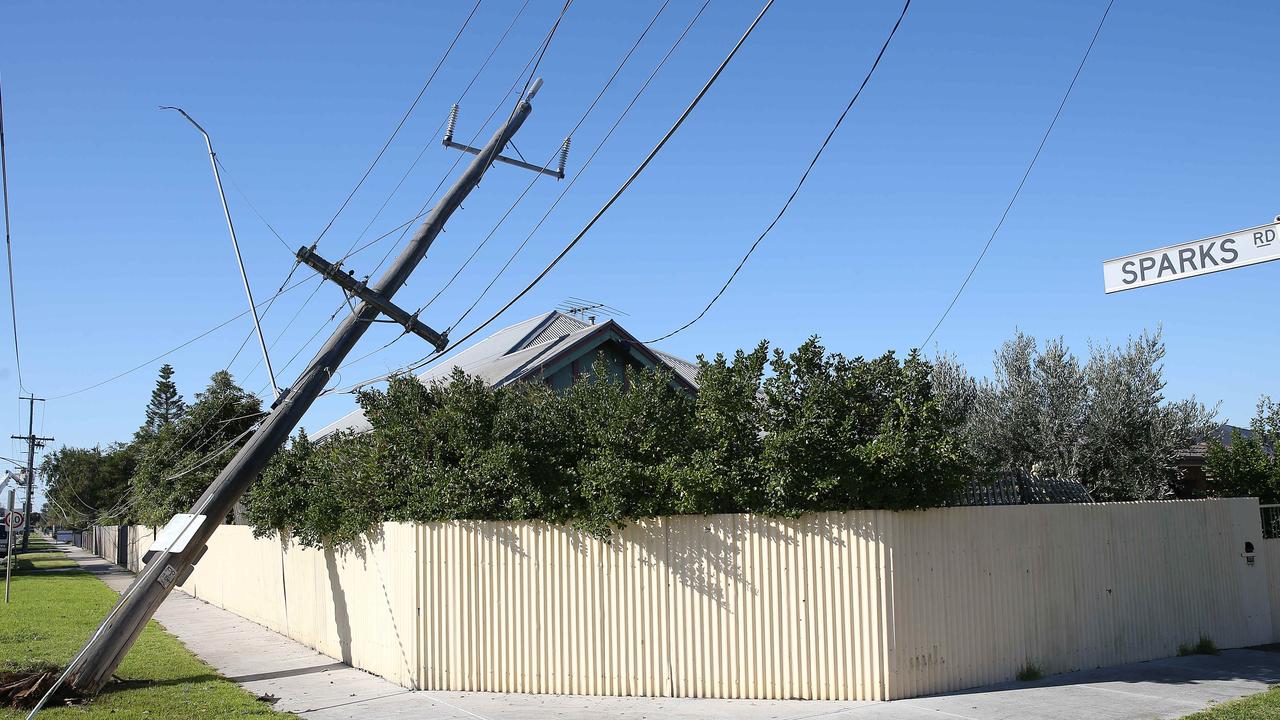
(535, 335)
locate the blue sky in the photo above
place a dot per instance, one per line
(121, 251)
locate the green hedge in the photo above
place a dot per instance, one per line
(819, 432)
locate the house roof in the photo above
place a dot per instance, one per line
(1197, 453)
(527, 349)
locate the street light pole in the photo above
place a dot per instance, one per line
(235, 245)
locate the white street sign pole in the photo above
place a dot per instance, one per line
(8, 554)
(1198, 257)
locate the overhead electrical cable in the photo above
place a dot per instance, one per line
(591, 156)
(270, 302)
(599, 213)
(249, 202)
(432, 137)
(403, 119)
(178, 347)
(805, 176)
(535, 59)
(1018, 190)
(534, 62)
(8, 245)
(403, 227)
(608, 83)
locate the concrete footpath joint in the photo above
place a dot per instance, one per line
(319, 687)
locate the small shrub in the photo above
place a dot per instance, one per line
(1030, 672)
(1203, 646)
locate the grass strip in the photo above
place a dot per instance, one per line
(50, 617)
(1263, 706)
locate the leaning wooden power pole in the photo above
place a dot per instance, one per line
(186, 535)
(33, 442)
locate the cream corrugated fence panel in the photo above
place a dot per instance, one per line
(359, 606)
(977, 593)
(242, 574)
(141, 538)
(532, 607)
(105, 541)
(1270, 556)
(718, 606)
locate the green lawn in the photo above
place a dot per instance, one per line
(41, 555)
(1263, 706)
(51, 615)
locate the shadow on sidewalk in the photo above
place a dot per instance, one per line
(1242, 664)
(289, 673)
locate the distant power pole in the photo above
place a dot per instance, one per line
(33, 442)
(182, 544)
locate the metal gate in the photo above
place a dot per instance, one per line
(122, 545)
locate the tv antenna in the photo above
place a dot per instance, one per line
(588, 309)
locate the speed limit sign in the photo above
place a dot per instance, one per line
(15, 520)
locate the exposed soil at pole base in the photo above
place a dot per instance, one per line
(23, 689)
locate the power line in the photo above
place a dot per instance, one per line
(587, 163)
(178, 347)
(1017, 191)
(534, 59)
(249, 202)
(608, 83)
(599, 213)
(270, 303)
(591, 156)
(796, 191)
(211, 456)
(403, 119)
(431, 141)
(8, 245)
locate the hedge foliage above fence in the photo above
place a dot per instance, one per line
(770, 433)
(820, 432)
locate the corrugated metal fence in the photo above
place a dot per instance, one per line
(853, 606)
(719, 606)
(980, 592)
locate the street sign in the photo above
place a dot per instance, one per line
(15, 520)
(175, 535)
(1198, 257)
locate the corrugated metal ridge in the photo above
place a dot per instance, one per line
(555, 326)
(554, 351)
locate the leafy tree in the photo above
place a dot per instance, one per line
(917, 458)
(724, 469)
(180, 460)
(637, 434)
(1131, 435)
(1248, 466)
(166, 406)
(85, 486)
(846, 433)
(1105, 423)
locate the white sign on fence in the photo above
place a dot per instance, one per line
(1198, 257)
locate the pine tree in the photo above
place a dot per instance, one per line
(179, 460)
(166, 406)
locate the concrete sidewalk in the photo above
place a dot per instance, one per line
(316, 686)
